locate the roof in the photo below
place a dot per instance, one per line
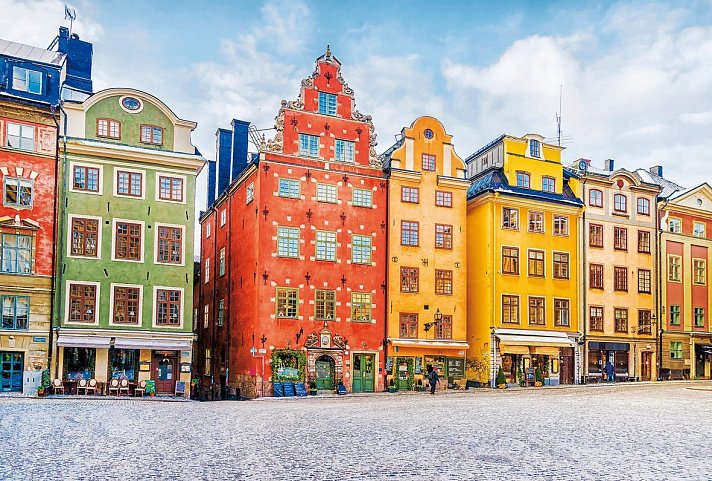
(28, 52)
(669, 187)
(486, 147)
(386, 156)
(494, 180)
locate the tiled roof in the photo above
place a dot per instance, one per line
(669, 187)
(27, 52)
(494, 180)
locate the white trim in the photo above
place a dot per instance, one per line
(155, 307)
(158, 175)
(115, 182)
(72, 164)
(113, 239)
(155, 244)
(70, 218)
(97, 304)
(111, 304)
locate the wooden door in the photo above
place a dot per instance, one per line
(11, 371)
(166, 372)
(645, 365)
(566, 376)
(363, 373)
(324, 367)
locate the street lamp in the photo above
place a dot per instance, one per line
(438, 318)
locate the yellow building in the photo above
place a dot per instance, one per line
(427, 276)
(523, 262)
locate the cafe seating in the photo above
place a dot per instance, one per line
(141, 388)
(91, 386)
(114, 386)
(82, 385)
(58, 386)
(124, 387)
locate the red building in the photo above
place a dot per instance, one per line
(293, 257)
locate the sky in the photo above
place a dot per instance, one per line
(635, 77)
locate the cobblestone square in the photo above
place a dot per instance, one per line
(632, 432)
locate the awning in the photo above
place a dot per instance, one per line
(548, 340)
(159, 344)
(545, 351)
(430, 344)
(67, 340)
(513, 349)
(608, 346)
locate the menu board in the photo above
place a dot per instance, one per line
(300, 389)
(456, 367)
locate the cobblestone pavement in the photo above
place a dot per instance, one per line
(634, 432)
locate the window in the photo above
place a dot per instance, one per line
(510, 218)
(644, 241)
(561, 312)
(643, 206)
(698, 229)
(170, 245)
(410, 194)
(443, 282)
(536, 222)
(699, 271)
(443, 199)
(595, 198)
(327, 103)
(428, 162)
(170, 188)
(675, 315)
(287, 301)
(108, 128)
(221, 263)
(561, 225)
(561, 265)
(362, 198)
(675, 226)
(699, 316)
(151, 134)
(16, 254)
(523, 179)
(325, 305)
(409, 279)
(221, 312)
(20, 137)
(308, 145)
(85, 237)
(443, 236)
(595, 276)
(620, 279)
(26, 80)
(534, 148)
(443, 329)
(128, 241)
(206, 316)
(621, 319)
(223, 217)
(595, 317)
(126, 305)
(620, 203)
(287, 242)
(645, 324)
(548, 184)
(124, 364)
(536, 263)
(289, 188)
(408, 325)
(409, 233)
(620, 238)
(675, 350)
(326, 193)
(674, 268)
(644, 281)
(510, 309)
(168, 303)
(250, 193)
(129, 183)
(207, 230)
(82, 303)
(361, 249)
(86, 178)
(510, 260)
(344, 150)
(15, 312)
(484, 162)
(360, 307)
(537, 311)
(208, 354)
(18, 193)
(207, 270)
(325, 246)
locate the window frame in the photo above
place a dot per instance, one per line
(327, 193)
(152, 138)
(27, 80)
(443, 198)
(674, 269)
(444, 282)
(115, 239)
(358, 301)
(408, 193)
(15, 300)
(284, 294)
(410, 233)
(131, 173)
(68, 303)
(524, 175)
(324, 99)
(535, 149)
(360, 259)
(344, 151)
(109, 124)
(288, 191)
(428, 162)
(536, 261)
(698, 312)
(443, 328)
(507, 222)
(18, 250)
(172, 241)
(409, 320)
(699, 266)
(22, 139)
(596, 272)
(645, 282)
(546, 179)
(675, 310)
(70, 241)
(98, 169)
(595, 233)
(700, 234)
(513, 259)
(617, 197)
(644, 238)
(171, 178)
(537, 307)
(286, 241)
(325, 245)
(620, 321)
(306, 149)
(112, 304)
(508, 306)
(620, 238)
(221, 313)
(563, 263)
(361, 197)
(18, 182)
(409, 280)
(677, 222)
(535, 224)
(561, 221)
(643, 206)
(157, 290)
(562, 306)
(676, 350)
(596, 322)
(328, 301)
(598, 200)
(620, 274)
(443, 238)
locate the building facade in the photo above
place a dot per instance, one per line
(619, 259)
(427, 275)
(125, 242)
(523, 256)
(294, 249)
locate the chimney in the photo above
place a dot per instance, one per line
(609, 165)
(212, 172)
(79, 61)
(223, 158)
(239, 147)
(657, 170)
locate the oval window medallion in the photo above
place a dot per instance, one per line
(428, 134)
(131, 105)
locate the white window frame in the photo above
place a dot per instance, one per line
(699, 232)
(560, 219)
(114, 221)
(344, 151)
(27, 72)
(327, 193)
(308, 152)
(223, 217)
(22, 127)
(111, 304)
(154, 314)
(97, 306)
(155, 244)
(327, 110)
(206, 276)
(539, 225)
(91, 166)
(70, 219)
(250, 193)
(290, 181)
(290, 239)
(326, 257)
(207, 230)
(18, 181)
(362, 191)
(677, 222)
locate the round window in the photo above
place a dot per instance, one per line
(428, 134)
(131, 104)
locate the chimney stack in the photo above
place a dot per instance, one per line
(609, 165)
(657, 170)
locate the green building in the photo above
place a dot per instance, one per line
(125, 278)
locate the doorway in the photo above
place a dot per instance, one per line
(11, 371)
(166, 370)
(363, 373)
(566, 369)
(646, 365)
(324, 367)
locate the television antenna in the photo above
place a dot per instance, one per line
(558, 115)
(71, 15)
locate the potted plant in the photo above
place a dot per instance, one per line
(501, 380)
(312, 388)
(392, 386)
(538, 378)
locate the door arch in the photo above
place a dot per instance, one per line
(324, 367)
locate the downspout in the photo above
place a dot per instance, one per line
(50, 350)
(227, 323)
(493, 305)
(386, 297)
(659, 286)
(584, 318)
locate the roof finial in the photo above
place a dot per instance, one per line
(328, 51)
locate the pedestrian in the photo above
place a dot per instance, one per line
(433, 378)
(610, 372)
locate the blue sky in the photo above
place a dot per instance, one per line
(636, 76)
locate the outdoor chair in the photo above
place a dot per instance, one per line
(124, 387)
(141, 388)
(91, 386)
(82, 385)
(114, 386)
(57, 386)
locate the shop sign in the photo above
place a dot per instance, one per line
(455, 367)
(288, 372)
(39, 339)
(185, 353)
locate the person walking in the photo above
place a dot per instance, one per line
(610, 372)
(433, 378)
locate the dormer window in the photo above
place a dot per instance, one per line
(26, 80)
(535, 148)
(151, 134)
(108, 128)
(327, 103)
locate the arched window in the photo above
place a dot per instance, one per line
(620, 203)
(595, 198)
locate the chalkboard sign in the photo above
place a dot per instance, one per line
(180, 388)
(341, 389)
(456, 367)
(277, 388)
(389, 365)
(300, 389)
(530, 375)
(288, 389)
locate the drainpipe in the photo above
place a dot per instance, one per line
(493, 340)
(584, 275)
(658, 256)
(386, 297)
(50, 350)
(227, 323)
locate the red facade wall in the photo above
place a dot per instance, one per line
(675, 294)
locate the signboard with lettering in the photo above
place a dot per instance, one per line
(39, 339)
(300, 389)
(180, 388)
(530, 375)
(456, 367)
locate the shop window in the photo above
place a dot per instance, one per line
(288, 242)
(510, 309)
(561, 265)
(85, 237)
(410, 195)
(170, 245)
(644, 241)
(18, 193)
(536, 263)
(287, 302)
(536, 222)
(15, 312)
(16, 254)
(129, 183)
(408, 325)
(428, 162)
(537, 311)
(360, 307)
(443, 199)
(362, 198)
(510, 260)
(289, 188)
(127, 305)
(443, 282)
(127, 241)
(620, 238)
(595, 235)
(409, 233)
(170, 188)
(344, 150)
(595, 276)
(168, 307)
(79, 363)
(325, 305)
(86, 178)
(409, 279)
(644, 281)
(675, 317)
(443, 236)
(675, 350)
(620, 279)
(561, 312)
(327, 103)
(326, 193)
(151, 134)
(361, 249)
(124, 364)
(621, 319)
(308, 146)
(595, 317)
(510, 218)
